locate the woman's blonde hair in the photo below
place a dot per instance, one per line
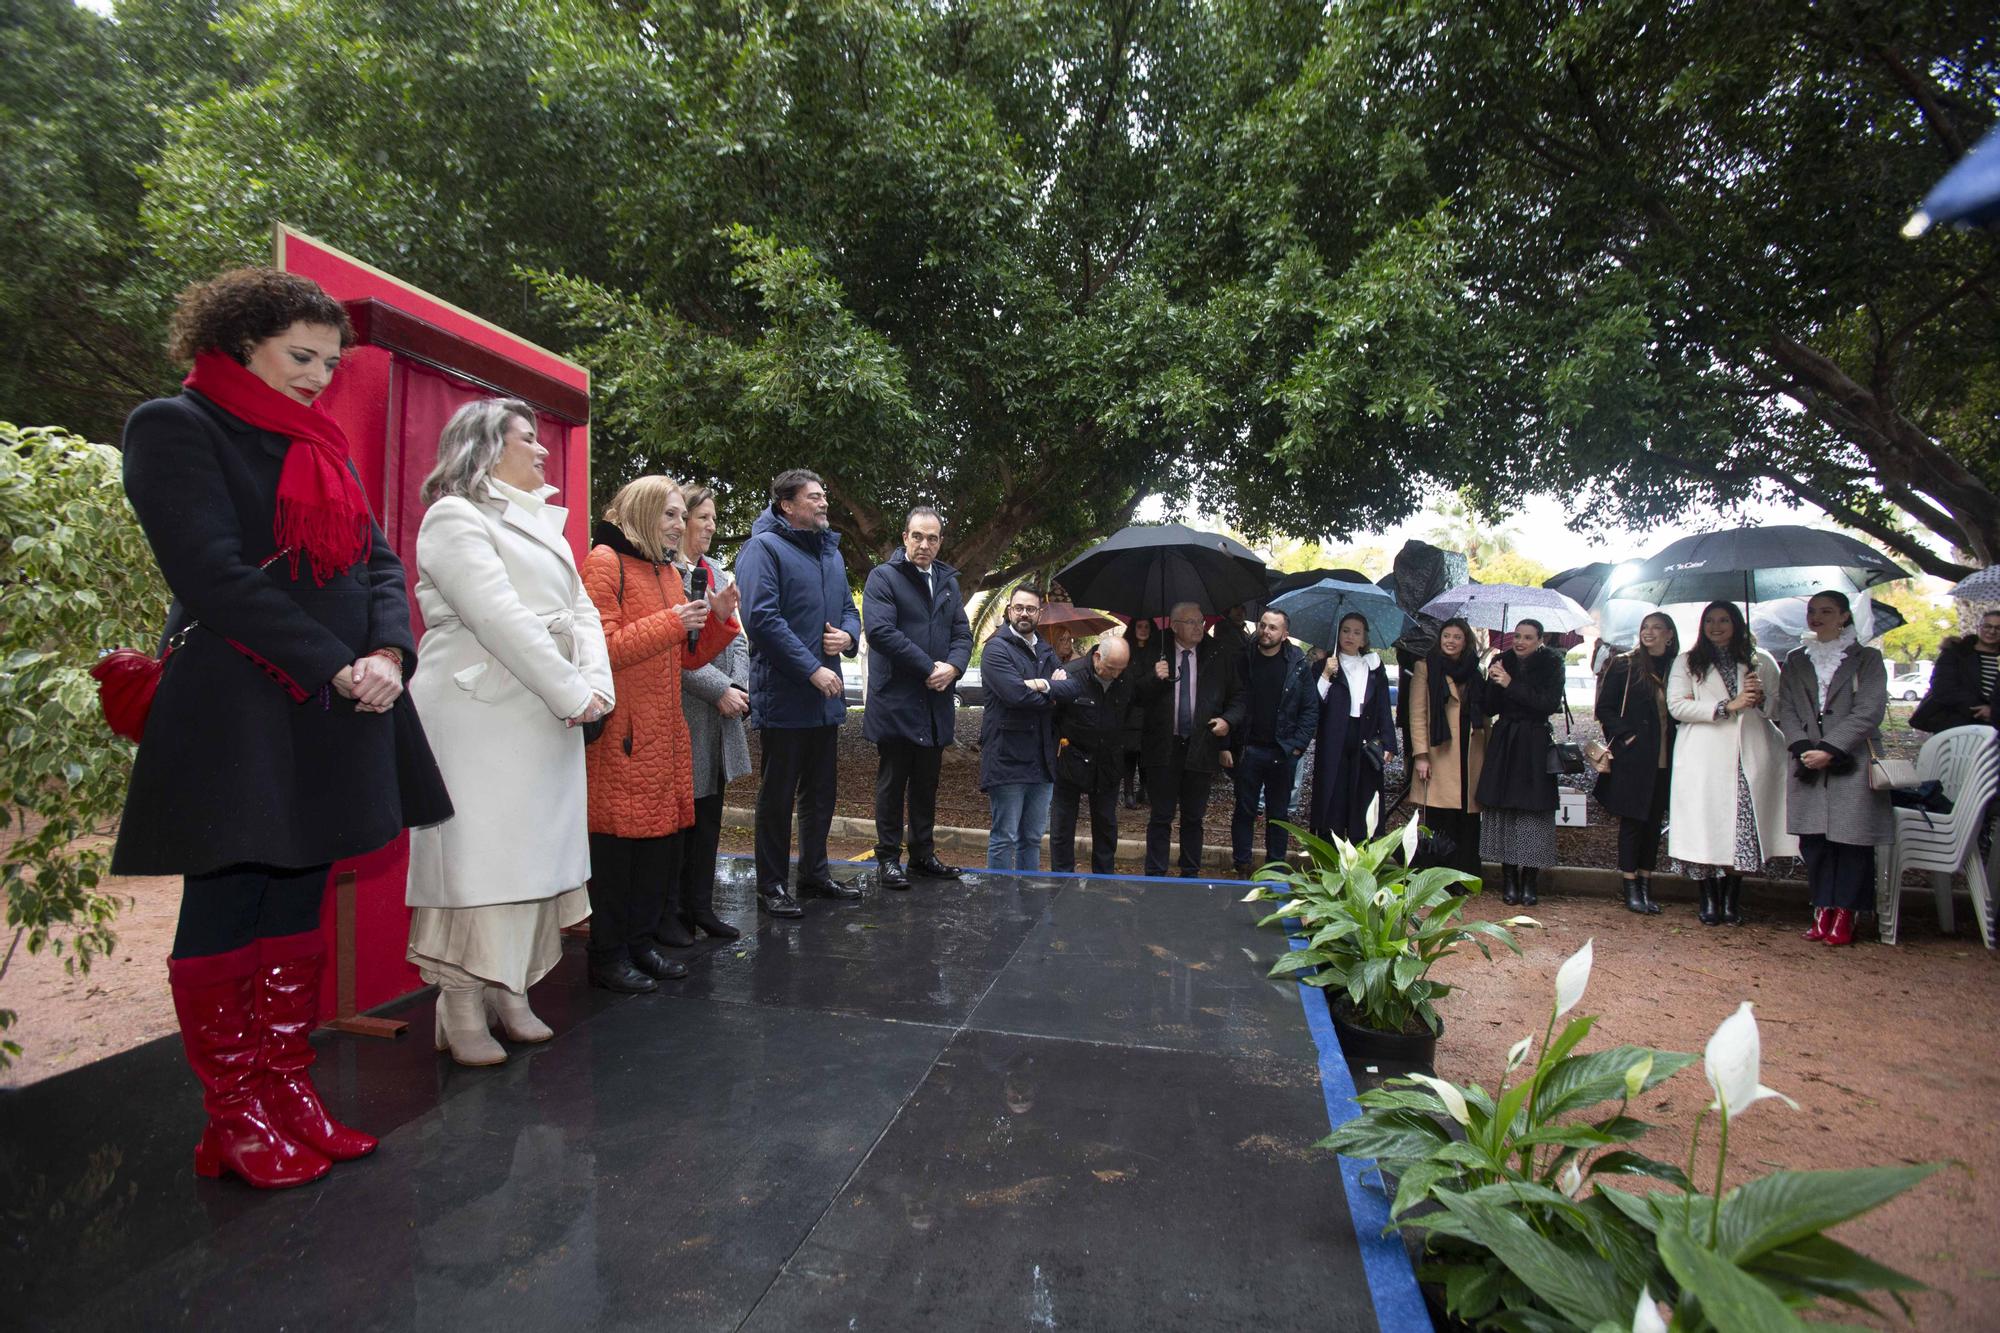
(636, 511)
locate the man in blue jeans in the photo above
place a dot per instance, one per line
(1282, 714)
(1017, 746)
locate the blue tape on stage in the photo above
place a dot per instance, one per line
(1392, 1283)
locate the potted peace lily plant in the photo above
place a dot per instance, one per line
(1368, 929)
(1524, 1229)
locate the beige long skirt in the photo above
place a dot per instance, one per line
(506, 944)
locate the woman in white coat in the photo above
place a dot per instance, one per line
(1727, 811)
(512, 664)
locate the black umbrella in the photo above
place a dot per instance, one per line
(1757, 565)
(1283, 583)
(1583, 585)
(1147, 570)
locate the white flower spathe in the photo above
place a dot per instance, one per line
(1571, 1179)
(1410, 840)
(1453, 1099)
(1646, 1316)
(1519, 1052)
(1572, 977)
(1733, 1062)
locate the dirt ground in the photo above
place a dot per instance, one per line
(1889, 1052)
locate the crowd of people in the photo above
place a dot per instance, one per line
(560, 740)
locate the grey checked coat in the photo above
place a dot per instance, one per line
(1839, 805)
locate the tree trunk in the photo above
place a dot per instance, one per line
(1965, 512)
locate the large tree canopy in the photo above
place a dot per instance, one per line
(1032, 261)
(1677, 230)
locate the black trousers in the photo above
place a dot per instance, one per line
(1267, 771)
(801, 765)
(1462, 827)
(1840, 874)
(1639, 839)
(699, 844)
(1175, 788)
(906, 768)
(628, 889)
(225, 910)
(1102, 791)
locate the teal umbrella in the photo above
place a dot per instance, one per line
(1316, 612)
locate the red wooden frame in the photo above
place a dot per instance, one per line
(404, 332)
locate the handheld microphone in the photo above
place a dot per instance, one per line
(697, 589)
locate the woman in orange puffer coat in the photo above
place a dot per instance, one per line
(640, 766)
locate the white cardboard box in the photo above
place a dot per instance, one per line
(1573, 811)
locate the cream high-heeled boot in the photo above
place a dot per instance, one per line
(516, 1019)
(461, 1024)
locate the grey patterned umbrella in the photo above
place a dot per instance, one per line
(1981, 587)
(1501, 606)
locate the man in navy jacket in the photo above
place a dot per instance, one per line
(1017, 742)
(919, 644)
(799, 617)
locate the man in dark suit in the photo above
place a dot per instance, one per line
(919, 643)
(1193, 699)
(1090, 729)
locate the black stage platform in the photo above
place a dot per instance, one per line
(1021, 1102)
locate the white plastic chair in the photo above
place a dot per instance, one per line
(1966, 760)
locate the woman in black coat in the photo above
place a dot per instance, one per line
(1144, 638)
(1639, 736)
(1357, 729)
(1965, 686)
(1517, 794)
(279, 740)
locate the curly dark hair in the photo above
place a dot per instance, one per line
(234, 311)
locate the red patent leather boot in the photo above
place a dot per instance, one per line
(287, 1010)
(213, 1000)
(1841, 929)
(1822, 918)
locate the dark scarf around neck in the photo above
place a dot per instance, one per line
(1463, 669)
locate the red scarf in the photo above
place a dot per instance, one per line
(321, 510)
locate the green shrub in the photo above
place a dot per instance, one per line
(76, 578)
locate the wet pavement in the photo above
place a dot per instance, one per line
(1016, 1102)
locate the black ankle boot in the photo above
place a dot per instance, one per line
(1635, 897)
(1646, 902)
(1510, 885)
(1732, 900)
(1530, 887)
(700, 914)
(1711, 902)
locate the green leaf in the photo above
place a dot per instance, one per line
(1387, 1134)
(1572, 1279)
(1787, 1206)
(1585, 1080)
(1628, 1163)
(1730, 1299)
(1823, 1266)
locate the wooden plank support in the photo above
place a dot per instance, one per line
(345, 1019)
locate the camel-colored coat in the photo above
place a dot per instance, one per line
(642, 767)
(1701, 827)
(1455, 765)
